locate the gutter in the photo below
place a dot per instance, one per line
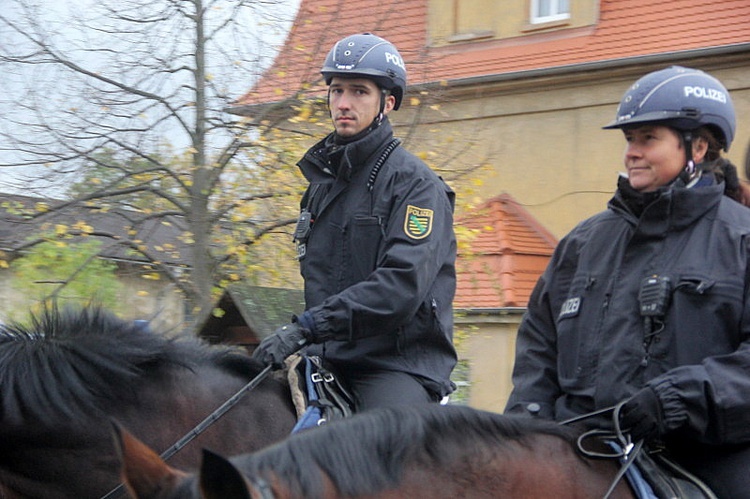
(638, 61)
(490, 311)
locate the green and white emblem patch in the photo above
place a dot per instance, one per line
(418, 222)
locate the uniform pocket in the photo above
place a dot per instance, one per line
(705, 314)
(572, 332)
(364, 237)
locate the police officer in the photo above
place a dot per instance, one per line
(645, 305)
(375, 243)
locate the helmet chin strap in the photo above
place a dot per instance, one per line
(378, 120)
(381, 114)
(688, 173)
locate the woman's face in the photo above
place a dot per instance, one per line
(653, 157)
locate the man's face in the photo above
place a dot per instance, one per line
(354, 104)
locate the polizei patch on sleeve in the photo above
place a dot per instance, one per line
(418, 222)
(570, 308)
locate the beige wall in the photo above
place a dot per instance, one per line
(454, 20)
(490, 347)
(544, 140)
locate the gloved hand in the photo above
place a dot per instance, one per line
(641, 415)
(286, 340)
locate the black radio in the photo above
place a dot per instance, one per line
(304, 226)
(654, 296)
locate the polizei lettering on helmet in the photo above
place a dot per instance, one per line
(395, 59)
(705, 93)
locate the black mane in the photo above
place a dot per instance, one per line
(72, 363)
(368, 452)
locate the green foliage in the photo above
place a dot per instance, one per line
(68, 273)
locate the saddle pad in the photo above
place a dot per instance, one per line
(639, 484)
(296, 385)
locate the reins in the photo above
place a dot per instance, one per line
(205, 424)
(624, 448)
(628, 452)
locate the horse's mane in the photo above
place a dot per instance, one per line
(70, 363)
(369, 451)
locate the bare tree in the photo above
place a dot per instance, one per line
(138, 89)
(124, 104)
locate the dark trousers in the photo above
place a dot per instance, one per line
(373, 389)
(725, 469)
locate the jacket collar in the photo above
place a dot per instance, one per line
(669, 208)
(354, 155)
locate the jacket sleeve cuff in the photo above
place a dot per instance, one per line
(305, 320)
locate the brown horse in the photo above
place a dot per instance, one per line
(429, 451)
(65, 377)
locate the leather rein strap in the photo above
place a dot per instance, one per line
(623, 448)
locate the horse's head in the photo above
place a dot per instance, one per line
(146, 476)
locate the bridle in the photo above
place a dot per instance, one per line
(204, 425)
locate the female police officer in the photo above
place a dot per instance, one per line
(375, 242)
(647, 302)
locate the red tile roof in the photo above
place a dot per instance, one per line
(626, 29)
(506, 257)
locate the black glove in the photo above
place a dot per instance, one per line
(281, 344)
(641, 415)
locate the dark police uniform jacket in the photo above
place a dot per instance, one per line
(582, 344)
(379, 264)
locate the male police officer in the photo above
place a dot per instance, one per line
(375, 242)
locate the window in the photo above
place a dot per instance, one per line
(544, 11)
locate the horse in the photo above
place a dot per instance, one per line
(65, 376)
(400, 452)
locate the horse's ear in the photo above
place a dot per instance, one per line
(144, 474)
(220, 479)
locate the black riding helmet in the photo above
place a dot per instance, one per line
(681, 98)
(367, 56)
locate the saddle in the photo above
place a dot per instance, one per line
(668, 480)
(318, 393)
(649, 471)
